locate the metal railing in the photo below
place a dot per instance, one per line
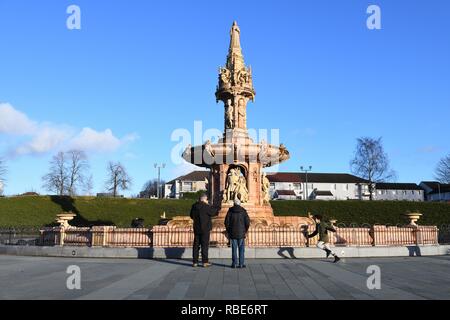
(20, 236)
(258, 236)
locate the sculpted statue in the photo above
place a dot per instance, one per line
(209, 149)
(242, 191)
(231, 184)
(242, 120)
(242, 78)
(284, 153)
(236, 186)
(265, 185)
(225, 76)
(263, 150)
(187, 152)
(229, 118)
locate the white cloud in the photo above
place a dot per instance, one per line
(42, 137)
(15, 122)
(43, 140)
(89, 139)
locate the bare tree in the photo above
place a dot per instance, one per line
(77, 167)
(67, 173)
(442, 172)
(3, 171)
(89, 185)
(371, 162)
(56, 180)
(118, 178)
(151, 188)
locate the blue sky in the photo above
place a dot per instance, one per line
(138, 70)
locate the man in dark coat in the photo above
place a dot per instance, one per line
(322, 228)
(237, 223)
(201, 213)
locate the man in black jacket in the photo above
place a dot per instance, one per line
(201, 213)
(237, 223)
(322, 228)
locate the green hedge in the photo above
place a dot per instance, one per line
(192, 195)
(40, 211)
(370, 212)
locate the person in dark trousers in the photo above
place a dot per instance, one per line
(321, 229)
(201, 213)
(237, 223)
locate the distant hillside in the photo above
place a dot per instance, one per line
(35, 211)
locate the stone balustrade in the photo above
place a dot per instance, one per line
(258, 236)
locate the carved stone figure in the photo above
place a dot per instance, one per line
(229, 118)
(231, 184)
(242, 113)
(187, 152)
(225, 76)
(209, 149)
(265, 186)
(263, 150)
(241, 190)
(236, 186)
(242, 78)
(284, 153)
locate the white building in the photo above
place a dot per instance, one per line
(320, 186)
(189, 183)
(399, 191)
(435, 191)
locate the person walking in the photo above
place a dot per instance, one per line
(237, 223)
(201, 213)
(321, 229)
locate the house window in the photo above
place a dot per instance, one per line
(412, 191)
(272, 185)
(346, 187)
(335, 186)
(297, 186)
(187, 187)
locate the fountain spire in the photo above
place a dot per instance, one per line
(235, 87)
(235, 59)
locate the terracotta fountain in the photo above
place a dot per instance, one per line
(236, 162)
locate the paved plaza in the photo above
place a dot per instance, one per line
(401, 278)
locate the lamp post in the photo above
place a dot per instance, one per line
(439, 189)
(306, 172)
(159, 167)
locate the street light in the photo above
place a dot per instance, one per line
(306, 172)
(439, 189)
(159, 167)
